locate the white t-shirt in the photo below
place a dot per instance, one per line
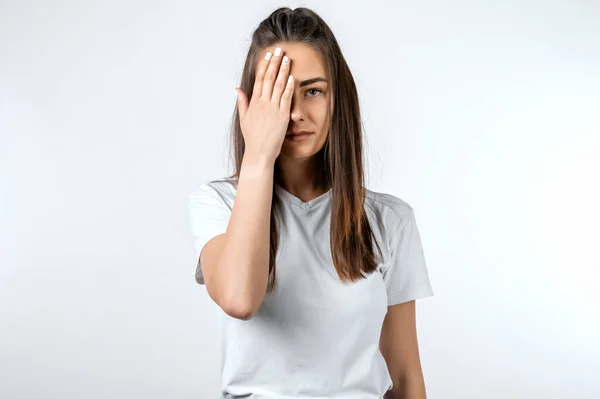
(314, 337)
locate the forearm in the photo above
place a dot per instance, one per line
(408, 388)
(245, 259)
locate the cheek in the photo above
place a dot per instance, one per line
(321, 114)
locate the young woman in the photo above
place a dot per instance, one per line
(286, 245)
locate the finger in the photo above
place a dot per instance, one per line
(271, 74)
(281, 82)
(242, 102)
(260, 75)
(288, 93)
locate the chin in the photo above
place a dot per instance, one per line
(297, 153)
(302, 149)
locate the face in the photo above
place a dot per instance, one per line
(309, 108)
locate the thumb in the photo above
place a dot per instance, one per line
(242, 101)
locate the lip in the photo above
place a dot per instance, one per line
(298, 136)
(297, 133)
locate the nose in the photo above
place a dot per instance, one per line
(296, 110)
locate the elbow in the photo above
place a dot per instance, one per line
(241, 312)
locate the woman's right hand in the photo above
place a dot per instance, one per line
(264, 122)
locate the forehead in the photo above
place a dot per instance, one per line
(305, 61)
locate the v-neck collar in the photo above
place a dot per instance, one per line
(290, 198)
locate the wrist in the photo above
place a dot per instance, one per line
(258, 163)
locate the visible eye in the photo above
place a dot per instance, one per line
(318, 90)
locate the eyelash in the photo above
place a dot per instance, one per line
(319, 90)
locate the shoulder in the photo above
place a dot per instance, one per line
(392, 210)
(222, 190)
(388, 216)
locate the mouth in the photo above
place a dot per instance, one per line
(298, 134)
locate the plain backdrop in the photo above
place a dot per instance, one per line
(483, 116)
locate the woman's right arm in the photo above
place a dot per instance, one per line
(236, 264)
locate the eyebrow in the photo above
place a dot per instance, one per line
(313, 80)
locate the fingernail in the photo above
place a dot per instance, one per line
(268, 56)
(277, 51)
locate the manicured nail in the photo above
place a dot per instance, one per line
(277, 51)
(285, 59)
(268, 56)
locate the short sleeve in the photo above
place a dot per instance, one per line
(406, 277)
(209, 216)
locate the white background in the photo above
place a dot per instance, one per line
(483, 116)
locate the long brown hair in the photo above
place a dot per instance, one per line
(341, 163)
